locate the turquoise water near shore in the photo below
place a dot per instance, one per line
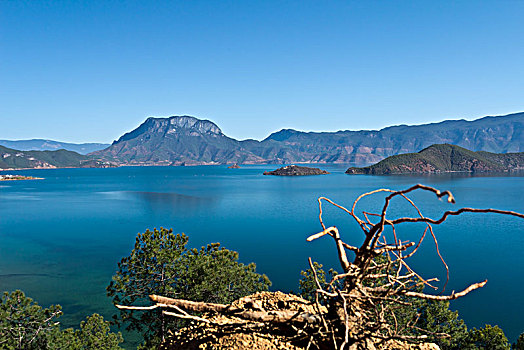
(62, 237)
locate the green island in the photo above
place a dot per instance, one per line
(444, 158)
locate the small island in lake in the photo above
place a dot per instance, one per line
(234, 166)
(444, 158)
(18, 177)
(295, 170)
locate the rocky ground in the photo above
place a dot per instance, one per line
(228, 332)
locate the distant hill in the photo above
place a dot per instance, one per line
(185, 140)
(444, 158)
(50, 145)
(15, 159)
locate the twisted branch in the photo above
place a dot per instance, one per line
(393, 282)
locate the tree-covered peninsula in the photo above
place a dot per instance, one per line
(444, 158)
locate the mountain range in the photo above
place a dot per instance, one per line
(50, 145)
(186, 140)
(444, 158)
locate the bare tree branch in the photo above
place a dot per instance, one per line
(446, 297)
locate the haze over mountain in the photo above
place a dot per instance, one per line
(185, 140)
(50, 145)
(444, 158)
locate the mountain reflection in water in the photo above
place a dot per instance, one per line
(175, 201)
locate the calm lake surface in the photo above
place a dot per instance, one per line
(62, 237)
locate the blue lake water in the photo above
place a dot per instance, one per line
(62, 237)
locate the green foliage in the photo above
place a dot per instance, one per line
(63, 340)
(23, 323)
(221, 278)
(487, 338)
(519, 345)
(307, 284)
(151, 268)
(161, 264)
(436, 317)
(26, 325)
(94, 333)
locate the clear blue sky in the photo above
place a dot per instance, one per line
(92, 70)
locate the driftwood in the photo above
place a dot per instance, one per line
(363, 300)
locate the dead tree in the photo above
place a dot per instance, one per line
(379, 278)
(363, 299)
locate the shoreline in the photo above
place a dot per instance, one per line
(179, 165)
(516, 170)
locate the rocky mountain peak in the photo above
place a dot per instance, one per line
(175, 123)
